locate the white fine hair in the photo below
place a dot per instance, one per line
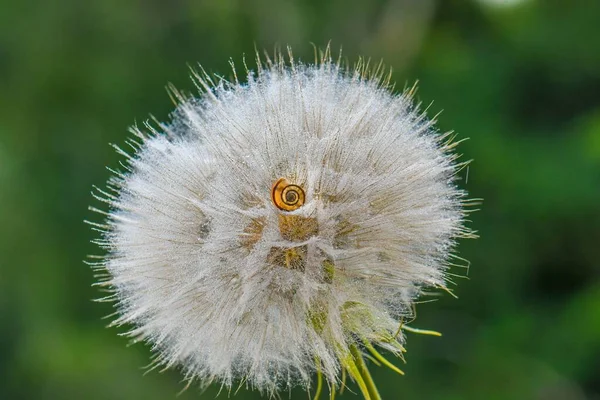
(206, 266)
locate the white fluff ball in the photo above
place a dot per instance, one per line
(224, 283)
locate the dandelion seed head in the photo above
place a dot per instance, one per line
(275, 226)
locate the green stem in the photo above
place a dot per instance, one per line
(343, 386)
(364, 372)
(319, 380)
(420, 331)
(381, 358)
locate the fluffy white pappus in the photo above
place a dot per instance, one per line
(282, 227)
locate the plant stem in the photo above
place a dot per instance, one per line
(364, 372)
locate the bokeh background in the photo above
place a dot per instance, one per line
(520, 78)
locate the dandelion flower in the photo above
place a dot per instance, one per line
(281, 228)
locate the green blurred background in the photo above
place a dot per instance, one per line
(521, 79)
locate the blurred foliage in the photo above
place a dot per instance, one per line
(521, 80)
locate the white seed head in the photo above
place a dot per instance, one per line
(282, 226)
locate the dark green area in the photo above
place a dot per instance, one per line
(522, 82)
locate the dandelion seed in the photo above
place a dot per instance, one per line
(277, 231)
